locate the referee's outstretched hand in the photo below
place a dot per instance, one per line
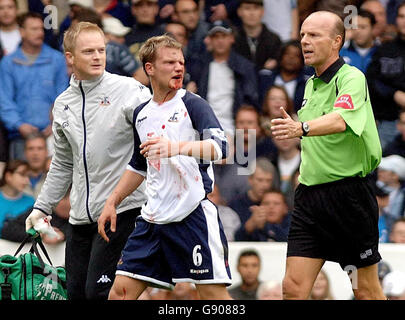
(109, 214)
(285, 127)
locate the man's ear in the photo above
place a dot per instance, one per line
(338, 41)
(149, 68)
(69, 58)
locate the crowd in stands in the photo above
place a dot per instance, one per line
(244, 57)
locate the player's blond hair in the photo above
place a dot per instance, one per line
(147, 53)
(70, 36)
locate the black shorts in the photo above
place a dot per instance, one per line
(336, 221)
(91, 261)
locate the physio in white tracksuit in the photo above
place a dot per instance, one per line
(93, 135)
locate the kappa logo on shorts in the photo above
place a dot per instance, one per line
(345, 102)
(104, 279)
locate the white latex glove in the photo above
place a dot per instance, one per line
(33, 219)
(43, 226)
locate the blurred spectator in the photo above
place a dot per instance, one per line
(216, 10)
(269, 290)
(179, 32)
(87, 15)
(3, 148)
(384, 220)
(386, 81)
(166, 9)
(187, 13)
(380, 15)
(306, 7)
(287, 161)
(36, 155)
(397, 234)
(13, 201)
(115, 8)
(362, 47)
(75, 7)
(275, 98)
(321, 289)
(146, 26)
(1, 52)
(253, 40)
(260, 182)
(10, 36)
(290, 73)
(119, 59)
(225, 78)
(269, 222)
(38, 6)
(249, 144)
(397, 146)
(30, 80)
(394, 285)
(229, 218)
(249, 265)
(383, 270)
(391, 175)
(282, 18)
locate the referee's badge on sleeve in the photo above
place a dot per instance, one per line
(344, 101)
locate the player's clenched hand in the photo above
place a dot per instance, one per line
(286, 127)
(109, 214)
(159, 147)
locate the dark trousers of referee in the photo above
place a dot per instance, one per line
(90, 261)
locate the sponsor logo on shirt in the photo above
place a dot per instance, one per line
(140, 120)
(345, 102)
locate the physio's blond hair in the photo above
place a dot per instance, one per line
(70, 36)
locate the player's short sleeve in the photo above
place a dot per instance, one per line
(206, 123)
(352, 99)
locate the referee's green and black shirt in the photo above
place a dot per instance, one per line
(356, 151)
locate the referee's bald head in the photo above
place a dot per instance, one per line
(333, 21)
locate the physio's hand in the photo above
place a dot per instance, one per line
(33, 219)
(109, 214)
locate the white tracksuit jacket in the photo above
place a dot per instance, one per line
(92, 128)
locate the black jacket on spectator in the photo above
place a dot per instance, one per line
(245, 79)
(270, 232)
(3, 143)
(385, 75)
(268, 46)
(397, 146)
(139, 34)
(1, 51)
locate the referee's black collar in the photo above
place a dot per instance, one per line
(328, 74)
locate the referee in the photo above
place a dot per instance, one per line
(336, 214)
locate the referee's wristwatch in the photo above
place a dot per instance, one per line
(305, 128)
